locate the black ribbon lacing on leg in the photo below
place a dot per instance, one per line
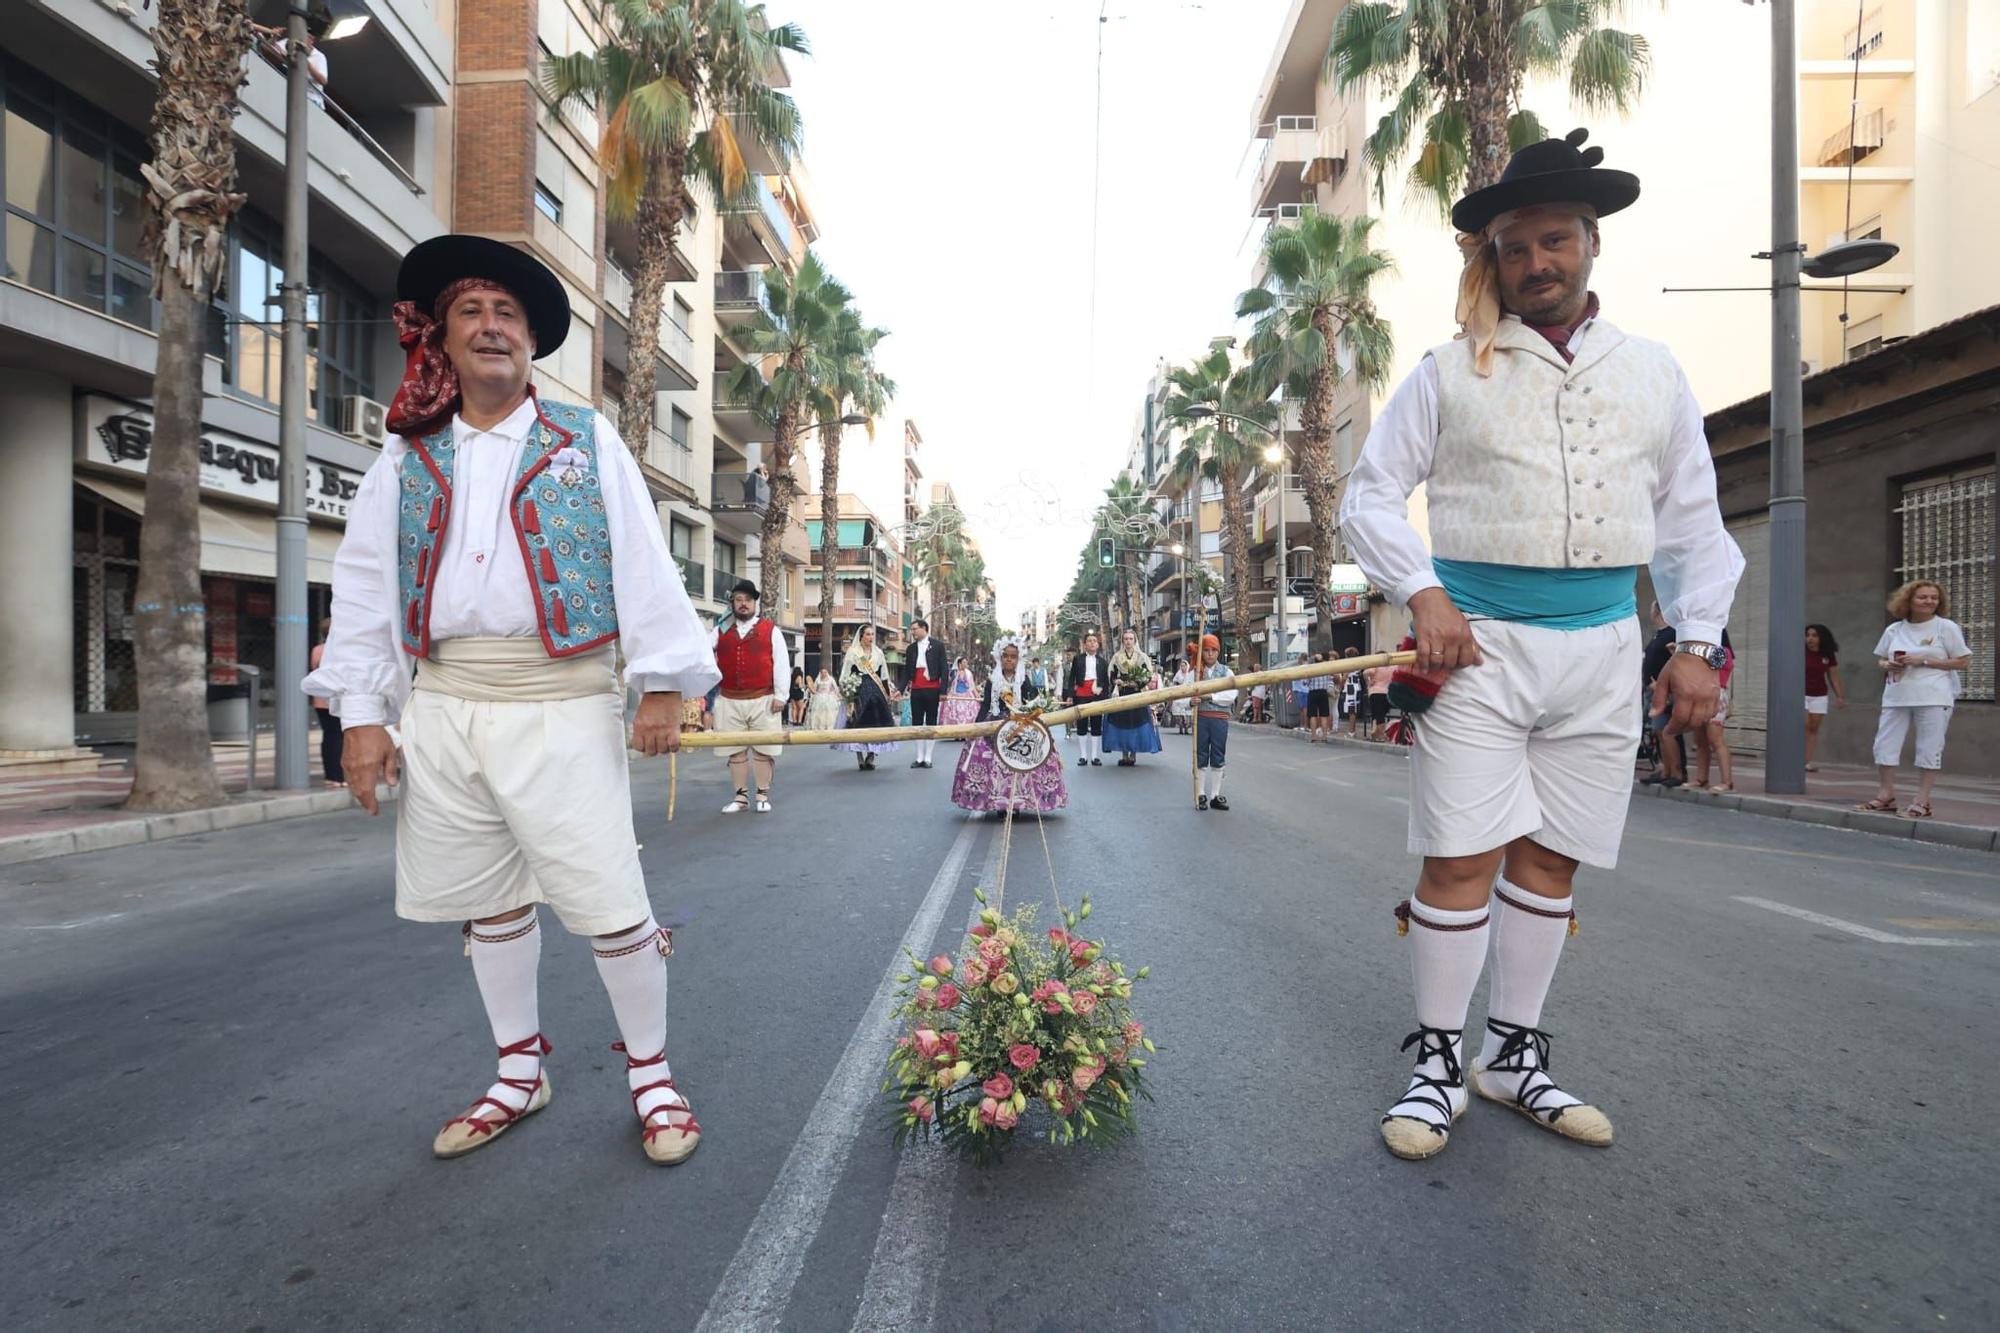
(1426, 1090)
(1517, 1043)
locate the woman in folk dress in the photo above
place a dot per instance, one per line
(1131, 731)
(961, 704)
(982, 783)
(871, 696)
(823, 712)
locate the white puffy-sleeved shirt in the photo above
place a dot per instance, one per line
(482, 588)
(1695, 564)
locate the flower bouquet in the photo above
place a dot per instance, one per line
(1027, 1023)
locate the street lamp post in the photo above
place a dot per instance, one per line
(290, 595)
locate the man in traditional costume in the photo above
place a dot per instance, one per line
(1211, 727)
(1087, 679)
(1559, 453)
(922, 678)
(481, 548)
(756, 668)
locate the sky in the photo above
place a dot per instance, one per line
(950, 152)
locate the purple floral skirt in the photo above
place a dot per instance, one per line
(983, 783)
(955, 710)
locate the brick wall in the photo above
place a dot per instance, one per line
(494, 158)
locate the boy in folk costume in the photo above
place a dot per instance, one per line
(482, 547)
(1559, 453)
(1088, 679)
(756, 671)
(1211, 727)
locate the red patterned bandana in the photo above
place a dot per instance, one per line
(428, 394)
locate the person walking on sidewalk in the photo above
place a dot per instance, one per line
(512, 758)
(1558, 453)
(1822, 679)
(1353, 695)
(1211, 728)
(1319, 705)
(330, 732)
(750, 650)
(922, 677)
(1920, 654)
(1378, 681)
(1711, 741)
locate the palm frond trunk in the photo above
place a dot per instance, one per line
(1318, 467)
(1237, 525)
(657, 223)
(829, 535)
(778, 515)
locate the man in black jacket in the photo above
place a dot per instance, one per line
(1088, 679)
(922, 676)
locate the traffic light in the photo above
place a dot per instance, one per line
(1107, 552)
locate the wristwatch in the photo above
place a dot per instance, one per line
(1714, 655)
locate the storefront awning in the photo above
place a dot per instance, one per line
(241, 542)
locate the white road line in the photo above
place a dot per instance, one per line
(1864, 932)
(757, 1287)
(900, 1291)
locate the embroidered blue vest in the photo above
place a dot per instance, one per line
(559, 520)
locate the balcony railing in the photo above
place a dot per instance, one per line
(739, 289)
(726, 401)
(739, 490)
(695, 575)
(725, 579)
(673, 457)
(1854, 141)
(783, 238)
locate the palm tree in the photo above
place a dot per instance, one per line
(797, 333)
(191, 195)
(1456, 69)
(935, 544)
(857, 388)
(1314, 299)
(1127, 517)
(676, 82)
(1216, 449)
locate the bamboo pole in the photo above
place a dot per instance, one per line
(736, 740)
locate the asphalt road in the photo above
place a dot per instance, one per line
(224, 1059)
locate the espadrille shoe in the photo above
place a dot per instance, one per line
(1419, 1125)
(475, 1129)
(1517, 1078)
(668, 1140)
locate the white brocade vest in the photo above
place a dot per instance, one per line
(1550, 464)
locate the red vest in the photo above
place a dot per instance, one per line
(745, 659)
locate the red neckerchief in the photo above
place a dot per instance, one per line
(1560, 334)
(428, 394)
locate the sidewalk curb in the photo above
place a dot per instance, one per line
(1971, 837)
(27, 847)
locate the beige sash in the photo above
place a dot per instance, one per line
(514, 671)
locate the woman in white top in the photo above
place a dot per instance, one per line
(1921, 654)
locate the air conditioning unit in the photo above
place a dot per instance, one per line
(363, 418)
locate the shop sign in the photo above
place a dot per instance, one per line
(1346, 578)
(117, 434)
(1349, 604)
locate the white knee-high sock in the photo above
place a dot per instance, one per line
(1215, 776)
(506, 959)
(1082, 748)
(634, 973)
(1528, 935)
(1206, 785)
(1447, 951)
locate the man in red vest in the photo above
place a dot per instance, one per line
(756, 673)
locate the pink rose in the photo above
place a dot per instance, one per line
(1086, 1074)
(1023, 1056)
(948, 1045)
(989, 1110)
(1006, 1117)
(1082, 1000)
(942, 964)
(1077, 951)
(1134, 1033)
(927, 1042)
(992, 952)
(921, 1108)
(1045, 995)
(999, 1086)
(980, 931)
(975, 972)
(1058, 937)
(948, 996)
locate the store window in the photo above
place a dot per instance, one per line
(1947, 535)
(340, 323)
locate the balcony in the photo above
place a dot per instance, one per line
(673, 457)
(1290, 143)
(1853, 141)
(695, 575)
(1298, 516)
(739, 295)
(674, 369)
(760, 231)
(724, 581)
(738, 501)
(739, 417)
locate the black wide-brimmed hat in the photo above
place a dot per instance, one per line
(746, 587)
(1550, 172)
(442, 260)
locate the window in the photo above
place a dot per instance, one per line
(546, 200)
(1343, 448)
(340, 323)
(680, 539)
(681, 313)
(1864, 337)
(74, 200)
(679, 424)
(725, 558)
(1947, 528)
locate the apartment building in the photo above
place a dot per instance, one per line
(868, 573)
(78, 348)
(530, 176)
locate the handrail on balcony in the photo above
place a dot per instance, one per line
(694, 575)
(346, 122)
(739, 490)
(739, 287)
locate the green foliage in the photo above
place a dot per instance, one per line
(1317, 275)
